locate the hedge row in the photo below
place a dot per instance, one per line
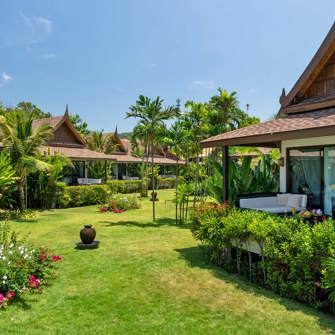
(76, 196)
(297, 259)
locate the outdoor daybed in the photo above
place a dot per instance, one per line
(279, 204)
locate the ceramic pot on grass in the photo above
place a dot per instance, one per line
(87, 234)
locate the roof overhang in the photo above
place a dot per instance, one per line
(270, 140)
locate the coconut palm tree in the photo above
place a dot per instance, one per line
(98, 141)
(22, 142)
(175, 139)
(152, 114)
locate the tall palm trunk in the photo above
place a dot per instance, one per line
(21, 191)
(196, 189)
(153, 183)
(146, 168)
(177, 182)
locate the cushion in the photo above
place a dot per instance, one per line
(282, 199)
(294, 200)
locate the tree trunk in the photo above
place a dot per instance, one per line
(146, 169)
(153, 183)
(177, 181)
(22, 198)
(196, 182)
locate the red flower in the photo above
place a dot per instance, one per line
(103, 209)
(56, 258)
(34, 282)
(10, 295)
(42, 257)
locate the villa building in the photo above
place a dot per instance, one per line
(67, 141)
(304, 132)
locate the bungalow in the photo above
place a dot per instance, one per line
(67, 141)
(304, 132)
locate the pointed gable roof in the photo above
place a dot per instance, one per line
(297, 100)
(57, 122)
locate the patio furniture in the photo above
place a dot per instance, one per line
(130, 178)
(89, 181)
(279, 204)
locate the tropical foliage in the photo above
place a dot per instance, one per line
(296, 259)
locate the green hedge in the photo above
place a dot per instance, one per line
(125, 186)
(293, 252)
(134, 186)
(76, 196)
(165, 183)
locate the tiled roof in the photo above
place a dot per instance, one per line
(292, 124)
(124, 158)
(75, 153)
(50, 121)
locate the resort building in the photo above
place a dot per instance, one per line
(304, 132)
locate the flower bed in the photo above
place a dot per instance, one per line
(23, 267)
(295, 256)
(119, 203)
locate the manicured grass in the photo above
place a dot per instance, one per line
(145, 279)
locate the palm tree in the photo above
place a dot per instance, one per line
(140, 136)
(151, 114)
(22, 142)
(175, 139)
(98, 141)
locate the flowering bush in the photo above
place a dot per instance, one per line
(22, 266)
(120, 203)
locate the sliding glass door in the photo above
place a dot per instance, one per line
(329, 179)
(305, 174)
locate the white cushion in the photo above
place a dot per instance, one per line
(294, 200)
(282, 199)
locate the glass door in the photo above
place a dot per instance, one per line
(306, 175)
(329, 180)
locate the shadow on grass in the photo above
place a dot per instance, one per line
(160, 222)
(195, 257)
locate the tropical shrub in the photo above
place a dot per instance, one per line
(76, 196)
(119, 203)
(125, 186)
(166, 183)
(296, 259)
(17, 214)
(23, 267)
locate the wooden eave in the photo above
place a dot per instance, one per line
(270, 140)
(74, 131)
(314, 68)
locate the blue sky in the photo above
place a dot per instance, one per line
(98, 56)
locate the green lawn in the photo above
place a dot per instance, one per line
(145, 279)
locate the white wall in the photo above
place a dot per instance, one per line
(305, 142)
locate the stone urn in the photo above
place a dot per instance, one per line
(154, 196)
(87, 234)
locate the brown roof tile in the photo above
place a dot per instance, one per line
(50, 121)
(75, 153)
(289, 125)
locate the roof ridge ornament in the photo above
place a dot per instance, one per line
(67, 111)
(282, 97)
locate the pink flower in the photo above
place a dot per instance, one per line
(34, 282)
(56, 258)
(10, 295)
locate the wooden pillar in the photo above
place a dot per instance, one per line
(105, 171)
(225, 171)
(85, 169)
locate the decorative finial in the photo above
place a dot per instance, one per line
(67, 111)
(115, 133)
(247, 107)
(283, 96)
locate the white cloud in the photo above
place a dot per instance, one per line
(202, 84)
(44, 22)
(39, 27)
(5, 78)
(49, 56)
